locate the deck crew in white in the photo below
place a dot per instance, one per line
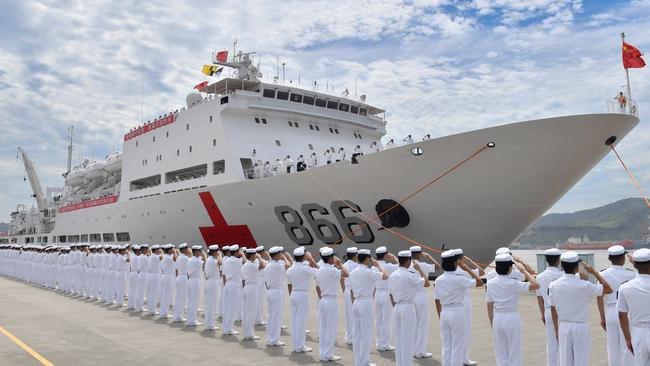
(633, 309)
(153, 279)
(468, 304)
(122, 267)
(180, 300)
(362, 282)
(515, 273)
(403, 286)
(544, 279)
(261, 287)
(502, 301)
(450, 298)
(212, 278)
(251, 277)
(349, 266)
(194, 274)
(328, 286)
(570, 296)
(167, 280)
(422, 303)
(616, 275)
(133, 276)
(142, 277)
(232, 288)
(300, 278)
(383, 305)
(274, 277)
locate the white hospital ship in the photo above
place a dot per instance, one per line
(225, 170)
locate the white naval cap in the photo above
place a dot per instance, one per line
(168, 246)
(326, 251)
(154, 247)
(274, 250)
(641, 255)
(184, 245)
(281, 248)
(213, 247)
(299, 252)
(234, 248)
(260, 248)
(144, 245)
(415, 249)
(251, 251)
(352, 250)
(458, 251)
(616, 250)
(136, 247)
(503, 257)
(226, 248)
(364, 251)
(552, 251)
(569, 257)
(502, 250)
(448, 253)
(196, 247)
(404, 254)
(114, 247)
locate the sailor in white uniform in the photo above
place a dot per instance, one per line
(232, 288)
(515, 273)
(616, 275)
(180, 300)
(349, 266)
(275, 279)
(450, 298)
(251, 300)
(328, 156)
(422, 303)
(633, 309)
(300, 277)
(570, 296)
(408, 140)
(153, 279)
(133, 276)
(383, 305)
(362, 282)
(142, 277)
(502, 297)
(313, 160)
(404, 284)
(544, 279)
(328, 286)
(168, 275)
(468, 303)
(194, 274)
(340, 155)
(212, 278)
(390, 144)
(121, 267)
(261, 286)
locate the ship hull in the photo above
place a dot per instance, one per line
(482, 204)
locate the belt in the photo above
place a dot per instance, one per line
(362, 297)
(450, 306)
(298, 290)
(404, 303)
(641, 324)
(275, 288)
(250, 283)
(505, 311)
(610, 304)
(381, 289)
(329, 297)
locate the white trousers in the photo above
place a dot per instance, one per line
(328, 314)
(210, 303)
(251, 304)
(141, 288)
(120, 287)
(362, 317)
(166, 293)
(574, 340)
(507, 334)
(405, 317)
(110, 286)
(153, 289)
(299, 304)
(452, 335)
(467, 307)
(641, 345)
(181, 297)
(133, 285)
(349, 329)
(383, 318)
(193, 288)
(261, 294)
(422, 330)
(274, 322)
(230, 305)
(552, 349)
(617, 352)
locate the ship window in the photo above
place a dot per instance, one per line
(359, 135)
(363, 111)
(136, 143)
(331, 130)
(167, 134)
(178, 152)
(84, 238)
(224, 100)
(296, 124)
(257, 120)
(317, 128)
(143, 183)
(290, 124)
(45, 239)
(296, 98)
(355, 135)
(311, 127)
(95, 238)
(336, 130)
(218, 167)
(190, 148)
(320, 102)
(108, 237)
(187, 127)
(344, 107)
(214, 142)
(269, 93)
(283, 95)
(123, 236)
(354, 109)
(331, 104)
(62, 239)
(277, 143)
(264, 121)
(210, 119)
(311, 147)
(308, 100)
(154, 138)
(198, 171)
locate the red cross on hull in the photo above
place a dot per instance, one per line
(220, 232)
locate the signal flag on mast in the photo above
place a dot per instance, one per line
(221, 56)
(211, 70)
(201, 85)
(632, 57)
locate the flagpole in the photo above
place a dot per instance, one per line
(627, 77)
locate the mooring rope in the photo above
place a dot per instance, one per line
(629, 173)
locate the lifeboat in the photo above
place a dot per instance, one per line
(113, 163)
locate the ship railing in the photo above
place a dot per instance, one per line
(630, 107)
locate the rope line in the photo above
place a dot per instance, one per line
(629, 173)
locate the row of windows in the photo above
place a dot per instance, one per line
(90, 238)
(180, 175)
(318, 102)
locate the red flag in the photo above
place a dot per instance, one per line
(222, 56)
(632, 57)
(201, 85)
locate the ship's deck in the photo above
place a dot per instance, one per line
(66, 331)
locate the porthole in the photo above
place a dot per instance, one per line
(416, 151)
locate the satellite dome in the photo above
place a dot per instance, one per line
(192, 99)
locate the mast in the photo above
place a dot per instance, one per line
(627, 74)
(69, 150)
(34, 181)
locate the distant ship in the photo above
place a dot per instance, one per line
(596, 245)
(229, 168)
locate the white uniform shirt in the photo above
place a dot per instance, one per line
(250, 272)
(231, 270)
(167, 265)
(615, 277)
(544, 280)
(516, 274)
(633, 298)
(363, 280)
(570, 296)
(426, 268)
(450, 288)
(404, 284)
(194, 267)
(504, 291)
(274, 274)
(300, 276)
(340, 155)
(349, 266)
(382, 285)
(181, 264)
(122, 265)
(211, 270)
(328, 279)
(154, 264)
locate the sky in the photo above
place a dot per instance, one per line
(436, 66)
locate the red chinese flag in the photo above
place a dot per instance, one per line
(632, 57)
(201, 85)
(222, 56)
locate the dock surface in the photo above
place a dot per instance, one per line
(68, 330)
